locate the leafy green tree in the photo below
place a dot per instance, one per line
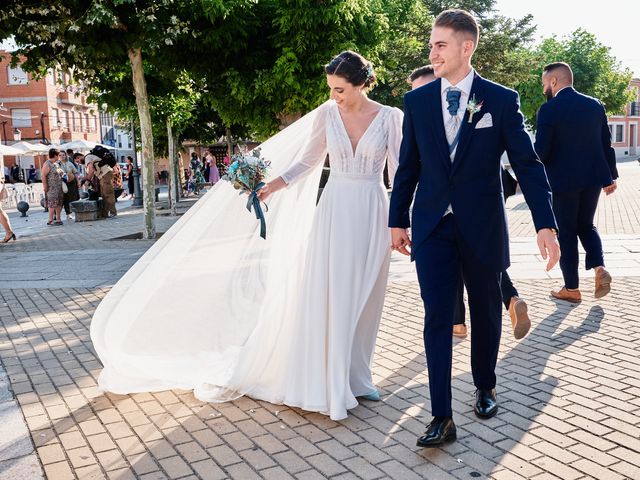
(91, 38)
(502, 54)
(280, 70)
(596, 72)
(403, 48)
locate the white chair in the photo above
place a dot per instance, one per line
(10, 201)
(22, 194)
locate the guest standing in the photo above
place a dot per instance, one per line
(72, 194)
(52, 178)
(129, 173)
(214, 173)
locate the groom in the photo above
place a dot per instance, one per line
(454, 133)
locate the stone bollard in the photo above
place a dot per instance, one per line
(85, 210)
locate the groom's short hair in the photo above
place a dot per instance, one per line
(459, 21)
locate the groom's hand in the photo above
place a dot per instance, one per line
(549, 247)
(400, 240)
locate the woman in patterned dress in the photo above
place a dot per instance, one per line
(52, 176)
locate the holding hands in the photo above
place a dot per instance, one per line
(400, 240)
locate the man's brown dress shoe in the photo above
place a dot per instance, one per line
(572, 296)
(603, 282)
(519, 317)
(460, 330)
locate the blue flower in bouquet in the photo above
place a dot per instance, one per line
(247, 173)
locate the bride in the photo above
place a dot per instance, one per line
(291, 319)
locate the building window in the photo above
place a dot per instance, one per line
(634, 109)
(51, 77)
(55, 115)
(619, 138)
(21, 117)
(17, 76)
(65, 119)
(119, 141)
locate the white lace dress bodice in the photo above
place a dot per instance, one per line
(379, 143)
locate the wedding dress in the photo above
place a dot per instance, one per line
(291, 319)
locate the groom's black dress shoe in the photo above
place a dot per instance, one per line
(439, 431)
(486, 403)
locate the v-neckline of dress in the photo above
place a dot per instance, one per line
(354, 151)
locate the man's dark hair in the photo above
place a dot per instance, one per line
(130, 157)
(421, 72)
(77, 155)
(561, 69)
(53, 152)
(459, 21)
(70, 152)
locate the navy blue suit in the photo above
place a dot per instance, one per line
(475, 237)
(574, 143)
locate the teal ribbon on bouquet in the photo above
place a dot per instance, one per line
(254, 202)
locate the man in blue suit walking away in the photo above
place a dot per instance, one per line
(574, 143)
(454, 133)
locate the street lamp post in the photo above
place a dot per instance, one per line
(4, 132)
(44, 140)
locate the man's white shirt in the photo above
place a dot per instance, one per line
(464, 86)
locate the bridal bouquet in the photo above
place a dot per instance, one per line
(246, 173)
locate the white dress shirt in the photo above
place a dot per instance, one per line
(464, 86)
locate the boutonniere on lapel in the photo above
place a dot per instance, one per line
(473, 107)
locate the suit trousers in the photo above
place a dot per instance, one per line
(506, 287)
(439, 260)
(574, 213)
(108, 195)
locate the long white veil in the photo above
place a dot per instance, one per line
(207, 306)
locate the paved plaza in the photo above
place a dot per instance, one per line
(569, 392)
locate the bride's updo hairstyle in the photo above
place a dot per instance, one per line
(353, 67)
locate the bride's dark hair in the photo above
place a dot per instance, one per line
(353, 67)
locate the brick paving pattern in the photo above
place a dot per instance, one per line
(569, 395)
(569, 400)
(617, 214)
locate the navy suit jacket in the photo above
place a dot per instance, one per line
(472, 183)
(574, 143)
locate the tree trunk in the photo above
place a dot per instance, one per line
(229, 144)
(146, 136)
(176, 170)
(172, 170)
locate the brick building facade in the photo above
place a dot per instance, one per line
(48, 110)
(625, 129)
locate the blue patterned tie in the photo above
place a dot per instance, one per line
(452, 126)
(453, 99)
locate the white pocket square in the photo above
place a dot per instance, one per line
(485, 122)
